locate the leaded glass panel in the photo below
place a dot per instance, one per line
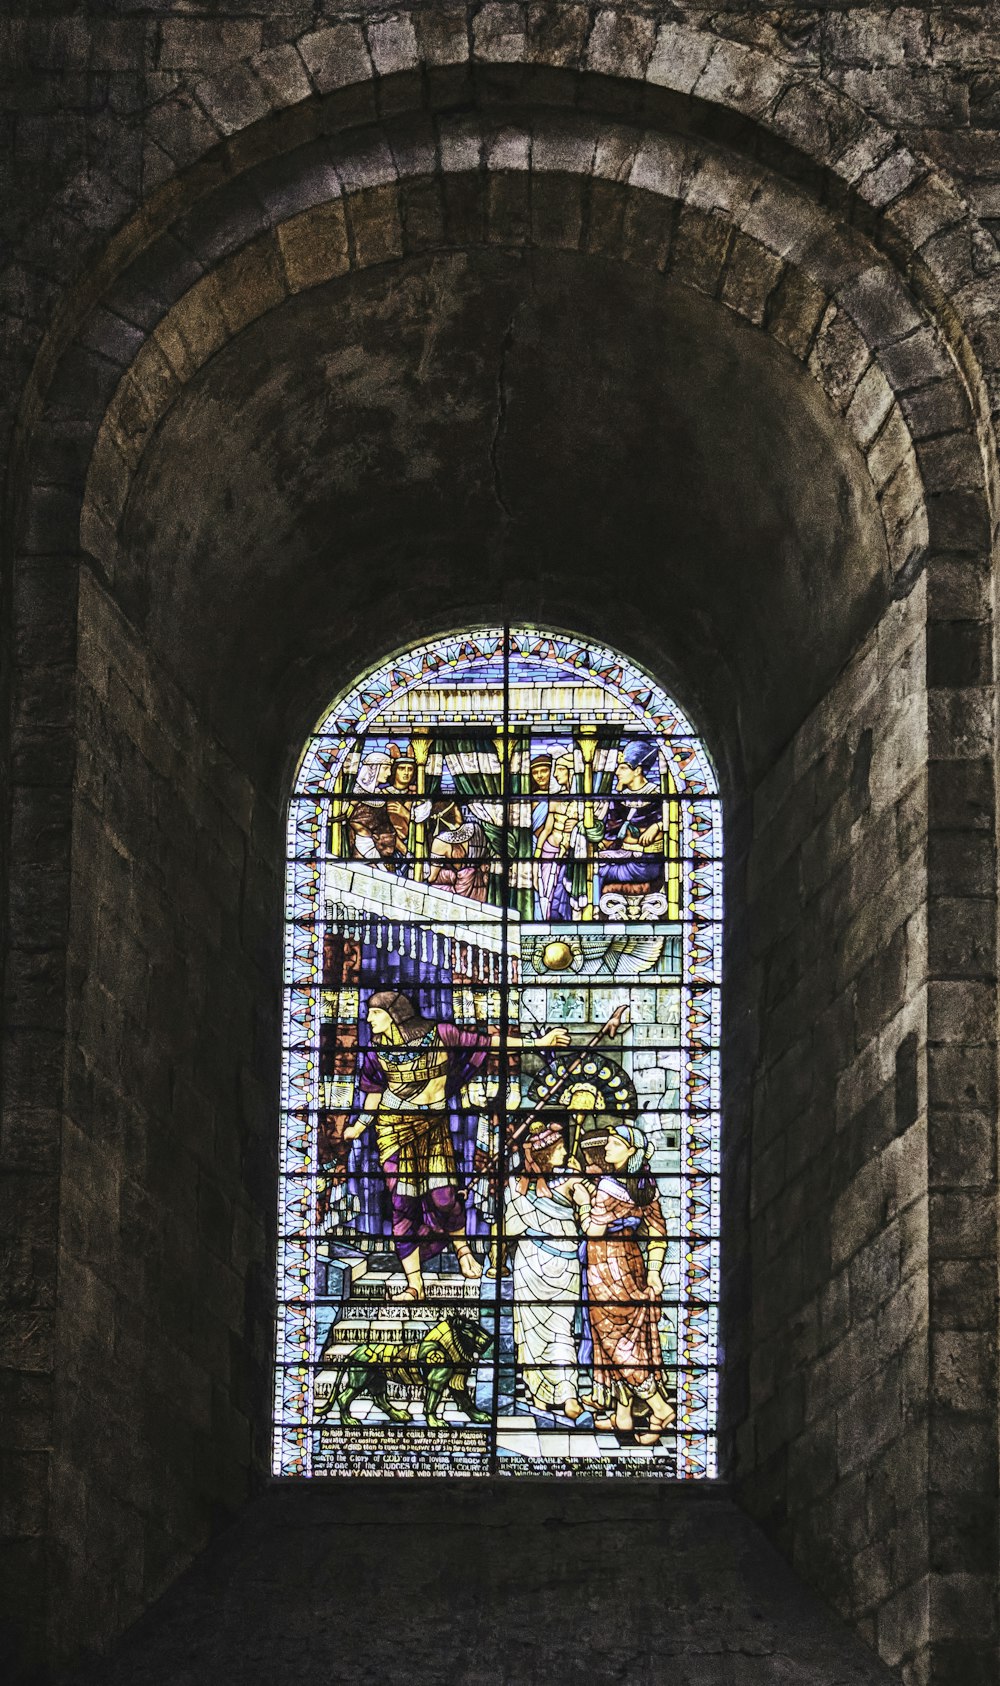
(499, 1198)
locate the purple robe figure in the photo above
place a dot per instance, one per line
(409, 1078)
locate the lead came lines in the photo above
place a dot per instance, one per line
(499, 814)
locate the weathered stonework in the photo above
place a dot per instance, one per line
(204, 207)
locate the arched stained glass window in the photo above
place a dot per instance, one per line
(499, 1200)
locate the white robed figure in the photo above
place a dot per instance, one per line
(543, 1211)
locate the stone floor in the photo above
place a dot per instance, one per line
(479, 1584)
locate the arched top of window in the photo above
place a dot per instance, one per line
(498, 1212)
(459, 680)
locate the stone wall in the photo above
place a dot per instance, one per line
(165, 1305)
(288, 165)
(836, 1435)
(102, 110)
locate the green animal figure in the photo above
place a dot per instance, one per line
(441, 1362)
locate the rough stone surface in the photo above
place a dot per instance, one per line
(162, 1243)
(379, 318)
(528, 1587)
(837, 1354)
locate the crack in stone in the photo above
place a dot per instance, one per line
(500, 422)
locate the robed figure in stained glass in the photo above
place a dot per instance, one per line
(502, 827)
(630, 837)
(545, 1205)
(408, 1077)
(624, 1287)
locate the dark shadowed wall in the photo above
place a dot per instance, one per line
(332, 330)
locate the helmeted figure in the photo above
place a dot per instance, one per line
(631, 841)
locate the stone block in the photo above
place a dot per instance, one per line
(962, 1523)
(780, 1418)
(795, 311)
(950, 462)
(963, 1369)
(499, 33)
(562, 145)
(903, 1623)
(814, 118)
(615, 153)
(904, 1168)
(199, 320)
(960, 1010)
(461, 142)
(364, 162)
(647, 230)
(335, 57)
(961, 864)
(958, 590)
(904, 517)
(181, 130)
(392, 43)
(679, 56)
(960, 794)
(508, 208)
(882, 168)
(961, 1222)
(699, 251)
(960, 652)
(739, 79)
(857, 1214)
(889, 451)
(812, 1462)
(374, 225)
(861, 37)
(282, 75)
(422, 215)
(962, 1152)
(413, 146)
(659, 165)
(557, 35)
(839, 356)
(915, 362)
(881, 987)
(937, 408)
(962, 1294)
(288, 184)
(961, 936)
(870, 1418)
(442, 36)
(508, 148)
(750, 278)
(902, 1321)
(870, 407)
(961, 259)
(233, 98)
(198, 43)
(874, 1274)
(620, 44)
(717, 183)
(907, 95)
(250, 283)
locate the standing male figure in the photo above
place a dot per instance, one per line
(410, 1075)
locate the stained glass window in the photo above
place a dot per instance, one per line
(499, 1181)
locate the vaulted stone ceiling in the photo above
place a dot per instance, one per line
(375, 457)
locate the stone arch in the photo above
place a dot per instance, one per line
(605, 60)
(889, 229)
(713, 223)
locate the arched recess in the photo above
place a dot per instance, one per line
(500, 1143)
(844, 1072)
